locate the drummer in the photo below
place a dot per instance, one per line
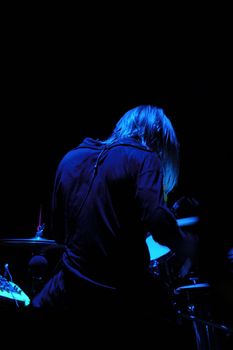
(107, 195)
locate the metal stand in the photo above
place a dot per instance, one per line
(194, 306)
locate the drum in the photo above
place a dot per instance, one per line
(162, 262)
(166, 266)
(156, 250)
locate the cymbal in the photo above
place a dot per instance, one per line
(34, 241)
(192, 287)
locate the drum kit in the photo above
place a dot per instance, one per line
(189, 295)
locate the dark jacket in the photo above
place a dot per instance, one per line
(106, 199)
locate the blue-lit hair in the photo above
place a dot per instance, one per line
(153, 129)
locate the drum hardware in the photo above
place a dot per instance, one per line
(191, 287)
(192, 303)
(9, 291)
(40, 231)
(37, 271)
(162, 269)
(27, 242)
(162, 256)
(36, 241)
(222, 327)
(205, 331)
(21, 253)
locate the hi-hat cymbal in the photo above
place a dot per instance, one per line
(193, 287)
(34, 241)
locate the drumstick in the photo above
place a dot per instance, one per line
(189, 221)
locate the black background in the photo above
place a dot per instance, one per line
(69, 75)
(71, 72)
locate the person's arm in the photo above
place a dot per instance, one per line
(155, 215)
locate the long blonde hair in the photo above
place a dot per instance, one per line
(153, 129)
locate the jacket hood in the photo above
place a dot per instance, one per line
(97, 144)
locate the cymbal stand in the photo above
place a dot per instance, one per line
(205, 331)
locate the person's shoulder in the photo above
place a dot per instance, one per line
(136, 153)
(87, 142)
(67, 158)
(73, 155)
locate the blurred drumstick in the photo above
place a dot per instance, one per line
(189, 221)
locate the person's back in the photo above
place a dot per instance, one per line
(107, 196)
(103, 225)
